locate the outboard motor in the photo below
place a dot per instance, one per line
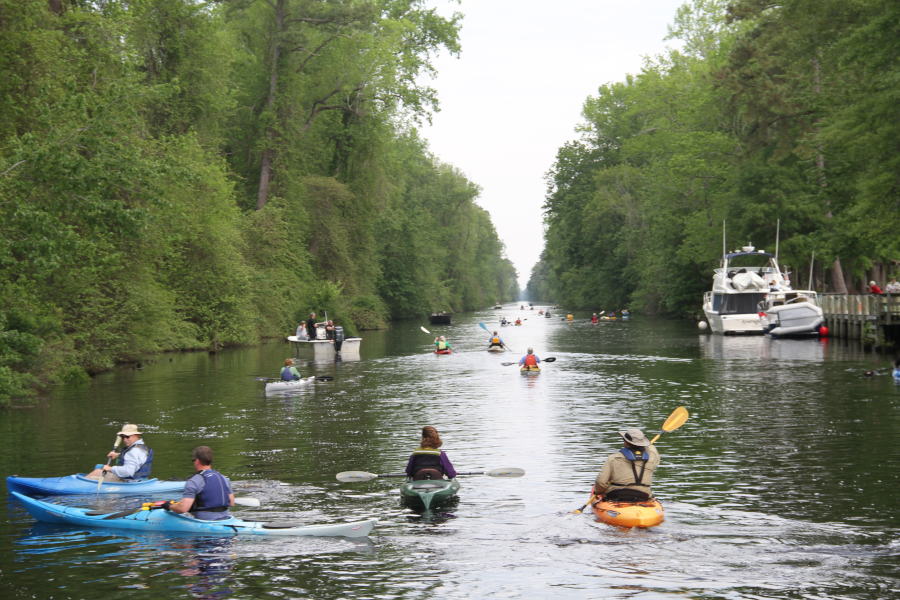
(338, 338)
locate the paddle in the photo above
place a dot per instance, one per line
(426, 331)
(352, 476)
(546, 360)
(319, 378)
(103, 473)
(675, 420)
(480, 324)
(251, 502)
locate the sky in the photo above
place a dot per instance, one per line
(514, 95)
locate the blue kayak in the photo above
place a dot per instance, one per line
(79, 484)
(164, 520)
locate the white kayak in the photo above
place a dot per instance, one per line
(281, 386)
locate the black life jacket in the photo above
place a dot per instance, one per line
(427, 459)
(214, 495)
(142, 472)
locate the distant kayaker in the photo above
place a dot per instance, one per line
(629, 472)
(503, 321)
(208, 494)
(441, 343)
(132, 463)
(290, 372)
(518, 321)
(625, 313)
(594, 319)
(426, 461)
(530, 360)
(497, 341)
(311, 326)
(569, 317)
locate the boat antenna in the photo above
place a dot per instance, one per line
(811, 282)
(777, 234)
(724, 245)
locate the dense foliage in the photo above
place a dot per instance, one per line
(769, 110)
(179, 174)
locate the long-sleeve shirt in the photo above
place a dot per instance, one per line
(445, 463)
(134, 458)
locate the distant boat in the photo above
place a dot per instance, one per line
(439, 319)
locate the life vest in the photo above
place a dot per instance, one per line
(442, 346)
(495, 341)
(286, 375)
(427, 459)
(593, 319)
(530, 361)
(142, 472)
(214, 495)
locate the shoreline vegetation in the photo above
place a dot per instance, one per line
(760, 111)
(192, 176)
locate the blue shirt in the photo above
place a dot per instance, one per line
(537, 360)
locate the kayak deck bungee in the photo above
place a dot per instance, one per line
(280, 386)
(429, 492)
(80, 484)
(163, 520)
(630, 514)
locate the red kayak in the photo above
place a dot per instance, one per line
(447, 351)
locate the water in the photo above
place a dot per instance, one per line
(780, 485)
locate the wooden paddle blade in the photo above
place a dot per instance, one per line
(676, 420)
(351, 476)
(252, 502)
(548, 360)
(426, 331)
(511, 472)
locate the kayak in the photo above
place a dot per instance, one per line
(164, 520)
(607, 318)
(428, 492)
(447, 351)
(630, 514)
(280, 386)
(496, 349)
(530, 369)
(518, 324)
(80, 484)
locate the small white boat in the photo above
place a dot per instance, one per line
(791, 313)
(281, 386)
(321, 348)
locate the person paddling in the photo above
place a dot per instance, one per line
(626, 475)
(530, 361)
(208, 494)
(290, 372)
(518, 321)
(594, 319)
(497, 341)
(132, 463)
(441, 344)
(426, 461)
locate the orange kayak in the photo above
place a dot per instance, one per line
(630, 514)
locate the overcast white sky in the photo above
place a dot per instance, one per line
(515, 94)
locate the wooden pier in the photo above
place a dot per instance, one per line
(872, 318)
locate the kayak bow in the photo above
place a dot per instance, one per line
(80, 484)
(429, 492)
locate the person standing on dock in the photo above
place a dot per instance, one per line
(873, 288)
(628, 474)
(893, 287)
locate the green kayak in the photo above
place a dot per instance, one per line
(427, 492)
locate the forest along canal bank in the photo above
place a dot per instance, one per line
(780, 485)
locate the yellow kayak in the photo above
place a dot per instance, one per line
(531, 369)
(630, 514)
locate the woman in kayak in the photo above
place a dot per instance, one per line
(441, 343)
(628, 474)
(426, 461)
(289, 372)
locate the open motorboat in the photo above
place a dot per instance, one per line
(322, 348)
(731, 305)
(791, 313)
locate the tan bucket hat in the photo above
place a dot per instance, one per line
(635, 436)
(130, 430)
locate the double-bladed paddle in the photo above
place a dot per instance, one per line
(102, 472)
(352, 476)
(546, 360)
(267, 379)
(251, 502)
(480, 324)
(675, 420)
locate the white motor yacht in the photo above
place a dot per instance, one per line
(731, 305)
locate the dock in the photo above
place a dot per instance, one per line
(872, 318)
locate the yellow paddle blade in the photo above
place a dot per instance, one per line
(676, 420)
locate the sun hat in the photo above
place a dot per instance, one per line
(635, 436)
(531, 351)
(129, 430)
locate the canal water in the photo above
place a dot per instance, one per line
(782, 484)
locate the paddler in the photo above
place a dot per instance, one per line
(208, 494)
(530, 361)
(132, 463)
(441, 343)
(290, 372)
(426, 461)
(627, 474)
(594, 319)
(540, 312)
(518, 321)
(570, 317)
(497, 341)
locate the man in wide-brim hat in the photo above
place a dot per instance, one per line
(132, 463)
(628, 473)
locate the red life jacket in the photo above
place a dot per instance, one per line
(530, 361)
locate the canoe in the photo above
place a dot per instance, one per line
(163, 520)
(496, 349)
(80, 484)
(530, 369)
(429, 492)
(447, 351)
(280, 386)
(630, 514)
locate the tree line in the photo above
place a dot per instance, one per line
(186, 175)
(766, 110)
